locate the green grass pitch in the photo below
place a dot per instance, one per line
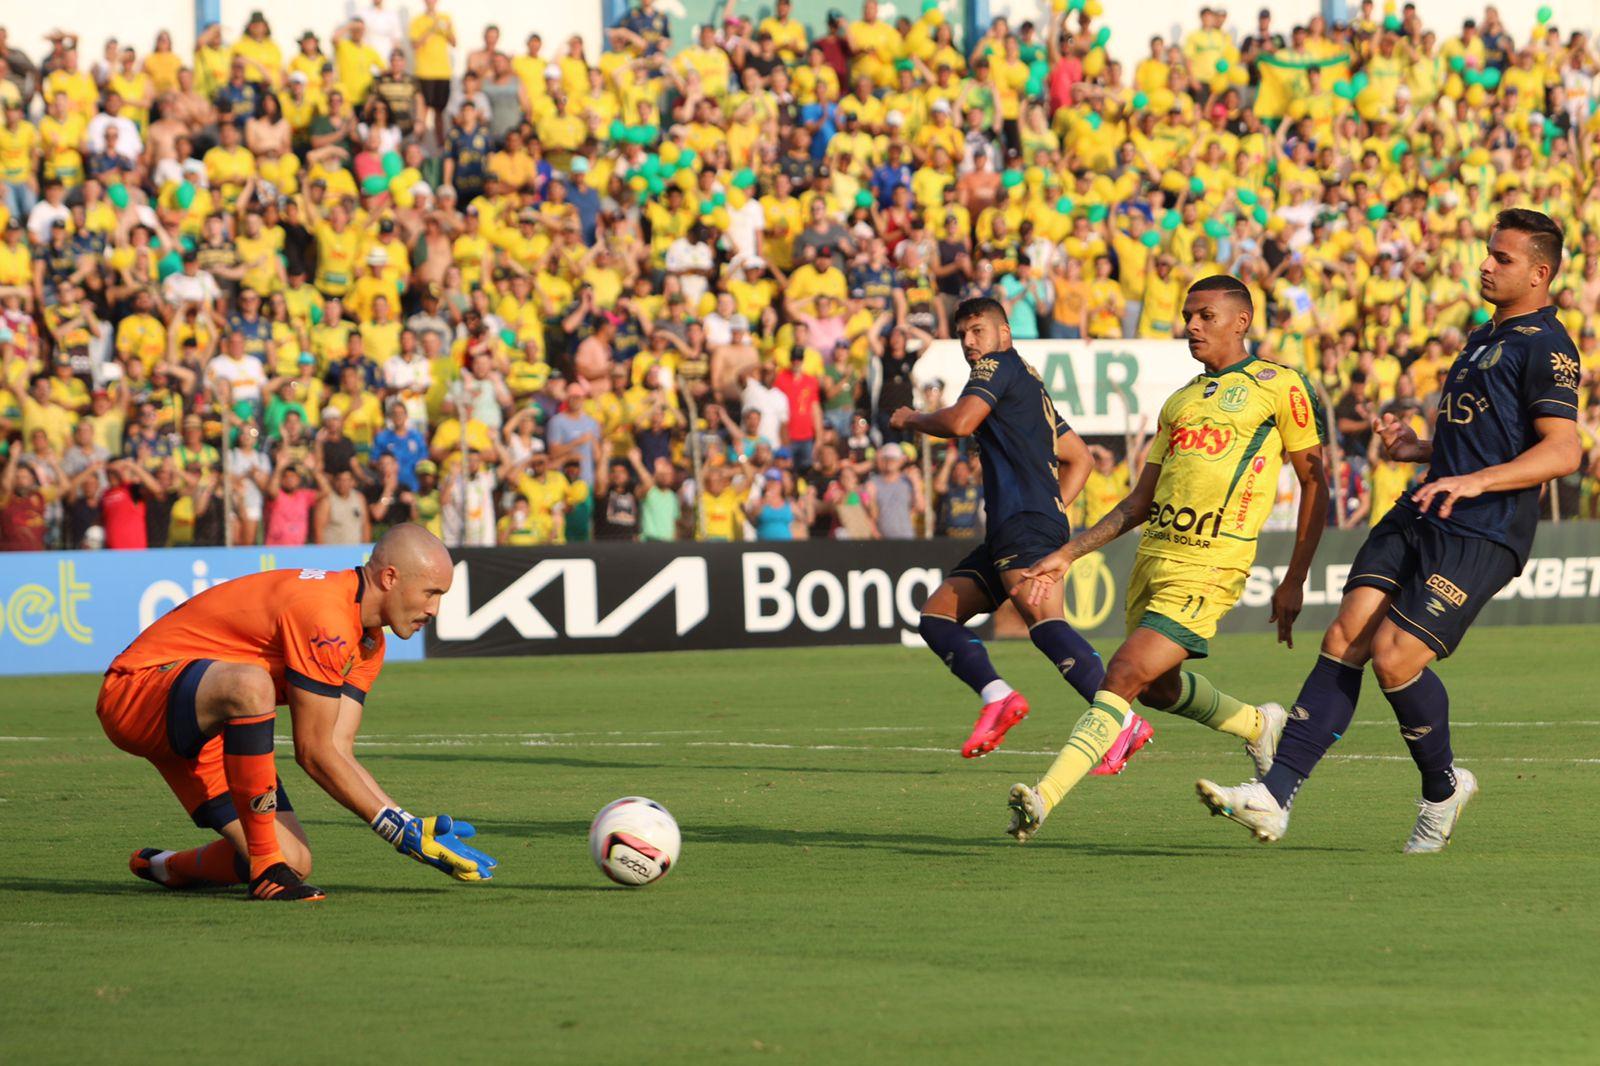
(845, 892)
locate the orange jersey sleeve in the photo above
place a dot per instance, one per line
(301, 626)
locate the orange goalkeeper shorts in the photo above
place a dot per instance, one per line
(150, 712)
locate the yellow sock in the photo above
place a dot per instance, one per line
(1201, 702)
(1091, 739)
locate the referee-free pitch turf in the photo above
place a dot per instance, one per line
(845, 892)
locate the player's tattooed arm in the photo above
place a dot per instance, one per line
(1126, 515)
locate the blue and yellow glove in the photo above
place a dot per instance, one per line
(436, 842)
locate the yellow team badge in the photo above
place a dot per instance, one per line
(1090, 592)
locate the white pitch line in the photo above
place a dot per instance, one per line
(559, 735)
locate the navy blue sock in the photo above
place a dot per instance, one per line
(1422, 707)
(1075, 657)
(959, 649)
(1320, 715)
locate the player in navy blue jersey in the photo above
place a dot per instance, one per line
(1506, 426)
(1033, 467)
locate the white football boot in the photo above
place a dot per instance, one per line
(1265, 747)
(1028, 812)
(1249, 804)
(1436, 821)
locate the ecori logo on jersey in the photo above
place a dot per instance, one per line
(1206, 439)
(1182, 525)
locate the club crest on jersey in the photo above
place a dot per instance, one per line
(1207, 439)
(1486, 357)
(1235, 398)
(1299, 407)
(1564, 370)
(984, 369)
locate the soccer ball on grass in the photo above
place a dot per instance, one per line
(634, 841)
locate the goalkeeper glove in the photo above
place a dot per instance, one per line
(436, 841)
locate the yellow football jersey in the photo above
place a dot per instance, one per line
(1220, 444)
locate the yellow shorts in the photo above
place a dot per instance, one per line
(1181, 601)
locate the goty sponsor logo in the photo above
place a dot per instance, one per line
(1207, 439)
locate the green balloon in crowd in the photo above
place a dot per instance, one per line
(118, 195)
(1377, 212)
(1064, 206)
(184, 195)
(744, 178)
(1141, 101)
(1171, 220)
(1197, 187)
(1097, 213)
(392, 164)
(168, 265)
(1246, 197)
(1149, 238)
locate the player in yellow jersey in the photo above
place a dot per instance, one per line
(1205, 491)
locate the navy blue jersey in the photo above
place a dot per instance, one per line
(1507, 376)
(1017, 442)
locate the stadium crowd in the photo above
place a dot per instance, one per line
(293, 291)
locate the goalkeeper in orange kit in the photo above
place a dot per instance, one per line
(197, 694)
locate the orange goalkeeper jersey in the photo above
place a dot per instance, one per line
(301, 626)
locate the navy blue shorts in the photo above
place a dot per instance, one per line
(1439, 580)
(1017, 544)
